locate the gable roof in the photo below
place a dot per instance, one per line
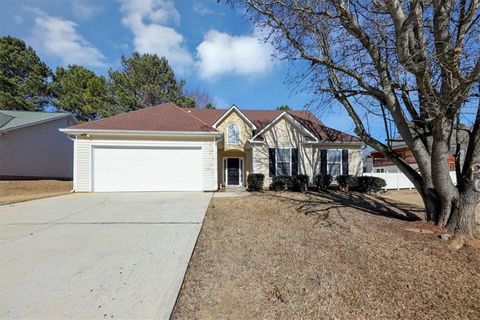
(11, 120)
(240, 114)
(162, 117)
(292, 120)
(262, 118)
(169, 117)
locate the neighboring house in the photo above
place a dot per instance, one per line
(377, 162)
(31, 147)
(166, 148)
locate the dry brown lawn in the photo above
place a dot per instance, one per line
(17, 191)
(413, 197)
(337, 255)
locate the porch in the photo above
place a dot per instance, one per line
(234, 166)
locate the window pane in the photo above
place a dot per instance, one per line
(283, 155)
(334, 156)
(233, 134)
(334, 169)
(283, 168)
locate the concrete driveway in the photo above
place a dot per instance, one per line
(97, 256)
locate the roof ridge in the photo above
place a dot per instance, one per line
(33, 111)
(123, 113)
(190, 114)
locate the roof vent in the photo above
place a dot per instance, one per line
(189, 111)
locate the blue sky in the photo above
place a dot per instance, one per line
(211, 45)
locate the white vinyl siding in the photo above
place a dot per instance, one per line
(83, 181)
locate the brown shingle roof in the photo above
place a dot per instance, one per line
(169, 117)
(162, 117)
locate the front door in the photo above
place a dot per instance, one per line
(233, 171)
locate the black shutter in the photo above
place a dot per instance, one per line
(271, 161)
(294, 161)
(344, 162)
(323, 161)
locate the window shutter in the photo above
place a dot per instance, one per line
(294, 161)
(271, 161)
(323, 161)
(344, 162)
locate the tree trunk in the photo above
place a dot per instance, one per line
(462, 216)
(457, 213)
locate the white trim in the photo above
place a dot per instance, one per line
(142, 132)
(75, 164)
(253, 160)
(240, 113)
(289, 157)
(330, 143)
(341, 161)
(66, 115)
(240, 168)
(299, 126)
(215, 161)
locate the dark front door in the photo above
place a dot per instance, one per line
(233, 171)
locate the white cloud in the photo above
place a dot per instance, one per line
(201, 9)
(221, 53)
(148, 20)
(58, 37)
(85, 10)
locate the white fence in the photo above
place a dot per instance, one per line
(397, 180)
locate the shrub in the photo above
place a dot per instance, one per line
(346, 182)
(280, 183)
(323, 181)
(369, 184)
(255, 181)
(299, 183)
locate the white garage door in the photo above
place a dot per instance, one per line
(147, 169)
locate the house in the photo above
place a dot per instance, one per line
(31, 147)
(167, 148)
(377, 162)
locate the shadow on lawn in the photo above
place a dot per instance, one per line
(322, 202)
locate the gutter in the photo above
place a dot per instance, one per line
(141, 133)
(334, 143)
(319, 143)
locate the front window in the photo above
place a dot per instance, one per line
(283, 160)
(334, 162)
(233, 134)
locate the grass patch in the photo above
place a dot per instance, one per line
(280, 255)
(17, 191)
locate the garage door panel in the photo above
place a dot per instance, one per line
(147, 169)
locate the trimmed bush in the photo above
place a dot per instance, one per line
(299, 183)
(346, 182)
(370, 184)
(323, 181)
(280, 183)
(255, 181)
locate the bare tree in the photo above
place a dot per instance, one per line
(202, 98)
(415, 63)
